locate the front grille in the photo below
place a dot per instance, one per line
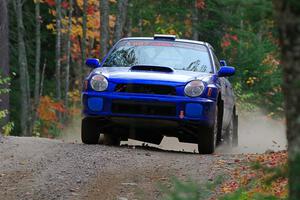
(143, 108)
(146, 89)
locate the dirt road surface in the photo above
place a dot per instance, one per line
(36, 168)
(32, 168)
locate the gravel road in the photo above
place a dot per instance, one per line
(35, 168)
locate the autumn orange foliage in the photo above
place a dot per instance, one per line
(269, 163)
(93, 26)
(48, 109)
(200, 4)
(228, 39)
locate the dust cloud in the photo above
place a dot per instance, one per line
(72, 132)
(257, 134)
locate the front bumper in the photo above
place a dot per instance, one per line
(158, 107)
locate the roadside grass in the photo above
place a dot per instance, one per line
(189, 190)
(257, 177)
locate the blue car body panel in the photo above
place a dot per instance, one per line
(204, 105)
(176, 107)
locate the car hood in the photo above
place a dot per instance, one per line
(117, 74)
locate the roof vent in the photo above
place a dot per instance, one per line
(164, 37)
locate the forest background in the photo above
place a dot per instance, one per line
(49, 41)
(42, 60)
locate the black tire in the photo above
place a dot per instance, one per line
(228, 137)
(208, 138)
(89, 131)
(235, 141)
(111, 140)
(220, 121)
(231, 134)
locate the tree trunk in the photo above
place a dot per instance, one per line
(68, 52)
(29, 119)
(289, 27)
(91, 45)
(128, 26)
(104, 29)
(195, 21)
(4, 58)
(23, 71)
(121, 19)
(37, 58)
(58, 50)
(43, 77)
(83, 39)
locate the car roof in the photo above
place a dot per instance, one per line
(176, 40)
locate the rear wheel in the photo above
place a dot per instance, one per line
(89, 131)
(231, 135)
(235, 140)
(208, 139)
(228, 137)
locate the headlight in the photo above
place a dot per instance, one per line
(194, 88)
(99, 83)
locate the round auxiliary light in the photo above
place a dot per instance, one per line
(99, 83)
(194, 88)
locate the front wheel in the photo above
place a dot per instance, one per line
(89, 131)
(208, 139)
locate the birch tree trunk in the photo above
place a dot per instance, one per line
(289, 29)
(195, 21)
(83, 39)
(68, 52)
(37, 58)
(4, 58)
(43, 77)
(104, 29)
(121, 19)
(23, 71)
(58, 50)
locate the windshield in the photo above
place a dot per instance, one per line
(177, 55)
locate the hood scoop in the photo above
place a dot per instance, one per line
(152, 68)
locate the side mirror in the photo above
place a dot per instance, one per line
(223, 63)
(92, 62)
(226, 71)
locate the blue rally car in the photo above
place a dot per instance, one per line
(147, 88)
